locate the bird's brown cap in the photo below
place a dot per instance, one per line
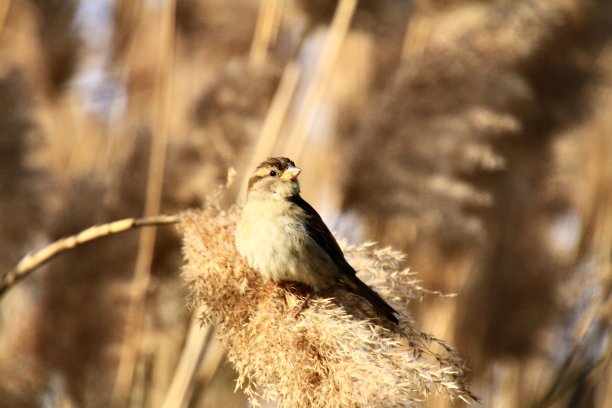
(277, 163)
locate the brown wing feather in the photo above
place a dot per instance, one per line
(318, 231)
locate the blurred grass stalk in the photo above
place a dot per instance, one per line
(181, 388)
(417, 35)
(4, 8)
(266, 30)
(298, 134)
(155, 178)
(270, 131)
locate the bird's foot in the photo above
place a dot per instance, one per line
(296, 311)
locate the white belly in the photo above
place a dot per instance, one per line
(280, 249)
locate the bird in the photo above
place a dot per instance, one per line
(284, 238)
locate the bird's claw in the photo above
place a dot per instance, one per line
(296, 311)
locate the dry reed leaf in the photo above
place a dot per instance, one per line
(336, 352)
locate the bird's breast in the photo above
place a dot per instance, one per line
(277, 244)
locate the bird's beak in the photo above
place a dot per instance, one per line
(291, 173)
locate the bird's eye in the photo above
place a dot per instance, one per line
(273, 173)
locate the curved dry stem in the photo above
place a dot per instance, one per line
(35, 260)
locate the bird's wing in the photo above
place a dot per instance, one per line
(318, 231)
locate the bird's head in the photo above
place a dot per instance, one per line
(277, 177)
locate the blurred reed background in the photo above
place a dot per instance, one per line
(475, 136)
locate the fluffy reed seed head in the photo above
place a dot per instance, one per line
(336, 352)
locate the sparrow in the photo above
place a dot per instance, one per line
(283, 237)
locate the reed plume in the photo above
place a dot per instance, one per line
(335, 353)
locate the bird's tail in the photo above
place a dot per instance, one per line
(363, 290)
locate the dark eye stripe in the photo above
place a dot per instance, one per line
(254, 180)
